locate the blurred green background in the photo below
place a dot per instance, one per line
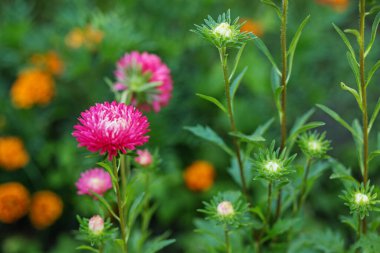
(162, 27)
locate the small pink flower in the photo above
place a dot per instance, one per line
(145, 158)
(96, 224)
(94, 180)
(112, 128)
(136, 69)
(225, 208)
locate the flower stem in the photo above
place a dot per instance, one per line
(227, 240)
(269, 203)
(120, 206)
(364, 99)
(302, 196)
(223, 59)
(283, 91)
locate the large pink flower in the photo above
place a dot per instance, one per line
(112, 128)
(135, 70)
(94, 180)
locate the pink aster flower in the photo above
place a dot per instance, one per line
(112, 128)
(144, 158)
(94, 180)
(147, 77)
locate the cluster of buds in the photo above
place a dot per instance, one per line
(223, 32)
(271, 164)
(314, 145)
(227, 208)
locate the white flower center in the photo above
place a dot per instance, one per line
(361, 199)
(314, 145)
(225, 208)
(272, 166)
(224, 30)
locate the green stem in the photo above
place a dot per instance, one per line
(302, 196)
(283, 92)
(269, 202)
(364, 99)
(120, 206)
(227, 240)
(223, 59)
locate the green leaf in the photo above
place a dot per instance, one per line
(85, 247)
(109, 169)
(297, 125)
(369, 243)
(237, 59)
(305, 128)
(261, 130)
(247, 138)
(214, 101)
(349, 220)
(346, 41)
(260, 44)
(236, 82)
(353, 92)
(355, 33)
(105, 203)
(282, 226)
(293, 45)
(135, 209)
(373, 155)
(274, 6)
(372, 72)
(355, 68)
(358, 142)
(342, 173)
(373, 34)
(208, 134)
(157, 245)
(234, 171)
(374, 115)
(337, 118)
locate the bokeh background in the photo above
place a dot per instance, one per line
(78, 42)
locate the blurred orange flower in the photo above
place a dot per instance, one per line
(49, 62)
(45, 209)
(88, 37)
(252, 26)
(32, 87)
(13, 155)
(199, 176)
(14, 202)
(338, 5)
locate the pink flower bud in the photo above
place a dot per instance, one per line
(96, 224)
(225, 208)
(145, 158)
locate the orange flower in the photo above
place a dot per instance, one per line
(49, 62)
(14, 202)
(89, 37)
(199, 176)
(13, 155)
(338, 5)
(45, 209)
(251, 26)
(32, 87)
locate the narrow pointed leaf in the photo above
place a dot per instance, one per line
(85, 247)
(374, 115)
(274, 6)
(236, 82)
(237, 59)
(260, 44)
(355, 68)
(373, 155)
(372, 72)
(353, 92)
(375, 25)
(346, 41)
(260, 130)
(213, 100)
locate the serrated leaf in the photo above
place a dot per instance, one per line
(213, 100)
(208, 134)
(346, 41)
(260, 44)
(293, 45)
(373, 34)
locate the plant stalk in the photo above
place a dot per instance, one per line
(302, 196)
(364, 99)
(223, 59)
(269, 203)
(227, 240)
(283, 91)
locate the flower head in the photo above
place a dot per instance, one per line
(146, 78)
(111, 128)
(272, 164)
(361, 199)
(13, 155)
(248, 25)
(94, 180)
(50, 62)
(144, 158)
(224, 32)
(88, 37)
(227, 208)
(314, 145)
(14, 202)
(45, 209)
(338, 5)
(32, 87)
(96, 224)
(199, 176)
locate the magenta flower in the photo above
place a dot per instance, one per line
(144, 158)
(147, 77)
(112, 128)
(94, 180)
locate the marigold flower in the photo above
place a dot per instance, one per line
(144, 158)
(49, 62)
(13, 155)
(147, 78)
(14, 202)
(199, 176)
(88, 37)
(75, 38)
(94, 180)
(32, 87)
(251, 26)
(338, 5)
(45, 209)
(111, 128)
